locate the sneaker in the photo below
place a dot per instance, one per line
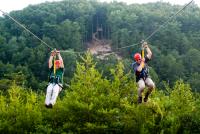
(50, 105)
(139, 100)
(145, 98)
(47, 106)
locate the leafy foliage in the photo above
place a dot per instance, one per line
(95, 104)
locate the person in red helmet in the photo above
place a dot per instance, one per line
(56, 71)
(141, 70)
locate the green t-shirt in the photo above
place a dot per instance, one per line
(58, 77)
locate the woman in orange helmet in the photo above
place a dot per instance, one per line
(56, 71)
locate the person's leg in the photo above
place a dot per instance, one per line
(151, 86)
(48, 94)
(141, 86)
(56, 90)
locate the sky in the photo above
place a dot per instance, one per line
(10, 5)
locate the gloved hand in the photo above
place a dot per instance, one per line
(145, 45)
(142, 62)
(143, 59)
(57, 51)
(53, 53)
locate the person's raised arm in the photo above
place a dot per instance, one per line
(149, 53)
(51, 59)
(60, 58)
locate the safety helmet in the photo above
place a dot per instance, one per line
(137, 56)
(58, 63)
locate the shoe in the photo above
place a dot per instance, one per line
(47, 106)
(145, 99)
(139, 100)
(50, 105)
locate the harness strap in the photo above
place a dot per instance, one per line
(54, 65)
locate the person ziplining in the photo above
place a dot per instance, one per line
(141, 70)
(56, 71)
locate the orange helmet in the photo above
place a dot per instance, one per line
(58, 63)
(137, 56)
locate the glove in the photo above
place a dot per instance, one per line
(142, 62)
(143, 59)
(145, 45)
(58, 52)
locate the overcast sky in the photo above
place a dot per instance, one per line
(10, 5)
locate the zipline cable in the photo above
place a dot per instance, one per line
(163, 25)
(21, 25)
(169, 19)
(4, 13)
(69, 51)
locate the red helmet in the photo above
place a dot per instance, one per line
(137, 56)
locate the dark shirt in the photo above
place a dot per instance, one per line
(56, 78)
(145, 71)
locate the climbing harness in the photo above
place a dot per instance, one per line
(142, 53)
(54, 65)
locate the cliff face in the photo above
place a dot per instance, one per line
(101, 48)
